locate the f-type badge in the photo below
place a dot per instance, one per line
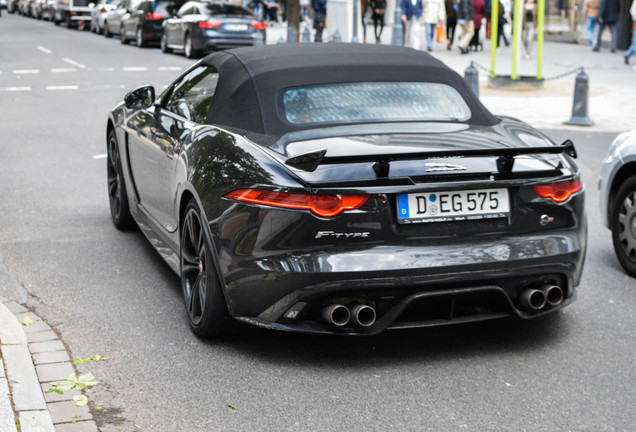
(444, 167)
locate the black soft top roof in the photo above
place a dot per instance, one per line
(251, 79)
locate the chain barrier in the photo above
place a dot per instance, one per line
(556, 77)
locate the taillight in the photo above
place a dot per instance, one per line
(259, 25)
(321, 205)
(103, 10)
(210, 24)
(153, 16)
(559, 192)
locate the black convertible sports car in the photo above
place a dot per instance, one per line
(345, 189)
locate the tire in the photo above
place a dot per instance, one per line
(164, 44)
(623, 225)
(189, 52)
(107, 33)
(141, 42)
(117, 195)
(203, 298)
(122, 36)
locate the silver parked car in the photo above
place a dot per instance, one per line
(99, 13)
(617, 183)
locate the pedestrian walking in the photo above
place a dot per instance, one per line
(632, 47)
(529, 25)
(433, 14)
(320, 15)
(451, 21)
(465, 19)
(501, 22)
(590, 15)
(479, 8)
(377, 15)
(411, 15)
(607, 17)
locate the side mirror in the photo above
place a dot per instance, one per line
(140, 98)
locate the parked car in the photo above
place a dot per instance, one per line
(114, 18)
(12, 6)
(41, 9)
(74, 13)
(25, 7)
(617, 185)
(143, 23)
(345, 189)
(209, 26)
(100, 12)
(3, 4)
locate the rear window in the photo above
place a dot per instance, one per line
(227, 9)
(166, 8)
(374, 102)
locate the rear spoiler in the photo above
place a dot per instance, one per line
(381, 162)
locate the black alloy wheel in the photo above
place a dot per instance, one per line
(117, 196)
(141, 42)
(623, 225)
(202, 295)
(164, 44)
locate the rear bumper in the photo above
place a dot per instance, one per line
(408, 287)
(221, 41)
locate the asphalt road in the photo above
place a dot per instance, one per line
(109, 293)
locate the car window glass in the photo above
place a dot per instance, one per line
(227, 9)
(382, 101)
(192, 95)
(166, 8)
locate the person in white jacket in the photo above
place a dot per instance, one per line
(433, 14)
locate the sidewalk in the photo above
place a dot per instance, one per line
(32, 356)
(612, 84)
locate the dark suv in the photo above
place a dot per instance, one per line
(143, 24)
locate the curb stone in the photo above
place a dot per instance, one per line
(33, 356)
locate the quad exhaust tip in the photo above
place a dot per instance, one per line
(362, 315)
(336, 314)
(536, 299)
(340, 315)
(553, 295)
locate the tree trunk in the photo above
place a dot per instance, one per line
(293, 16)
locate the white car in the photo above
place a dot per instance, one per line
(99, 13)
(617, 184)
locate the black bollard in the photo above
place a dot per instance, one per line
(579, 106)
(398, 28)
(471, 75)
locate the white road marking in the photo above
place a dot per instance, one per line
(135, 69)
(100, 156)
(15, 89)
(69, 87)
(108, 69)
(26, 71)
(108, 86)
(62, 70)
(44, 50)
(74, 63)
(170, 68)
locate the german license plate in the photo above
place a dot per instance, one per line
(453, 205)
(236, 27)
